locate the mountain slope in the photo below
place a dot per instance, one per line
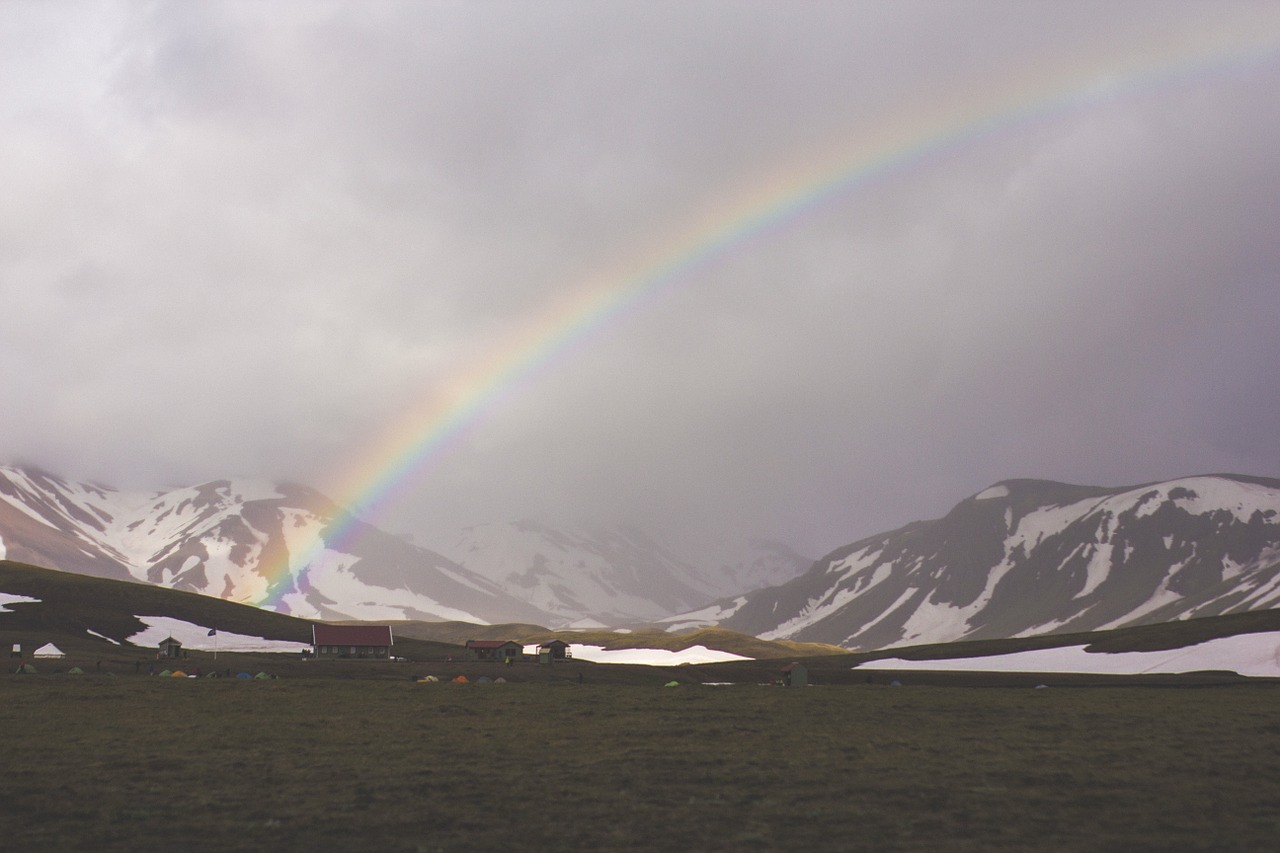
(243, 541)
(1027, 556)
(610, 576)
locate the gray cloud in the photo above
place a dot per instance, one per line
(242, 239)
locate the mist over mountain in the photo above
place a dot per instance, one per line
(1030, 557)
(616, 575)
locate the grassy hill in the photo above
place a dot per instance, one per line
(70, 606)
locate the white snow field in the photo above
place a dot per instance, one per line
(197, 637)
(10, 598)
(651, 657)
(1245, 654)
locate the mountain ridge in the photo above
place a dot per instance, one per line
(1034, 556)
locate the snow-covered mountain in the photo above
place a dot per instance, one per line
(253, 541)
(609, 576)
(1029, 556)
(243, 541)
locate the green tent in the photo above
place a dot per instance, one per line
(262, 676)
(672, 684)
(165, 674)
(25, 669)
(75, 670)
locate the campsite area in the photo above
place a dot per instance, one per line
(135, 763)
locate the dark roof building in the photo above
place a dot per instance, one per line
(361, 642)
(505, 650)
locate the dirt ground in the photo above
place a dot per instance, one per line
(135, 763)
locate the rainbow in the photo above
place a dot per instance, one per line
(422, 437)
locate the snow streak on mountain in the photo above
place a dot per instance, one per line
(1030, 557)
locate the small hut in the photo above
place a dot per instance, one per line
(552, 651)
(795, 675)
(16, 652)
(169, 649)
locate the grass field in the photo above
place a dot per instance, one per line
(136, 763)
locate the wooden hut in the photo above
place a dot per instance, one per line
(795, 675)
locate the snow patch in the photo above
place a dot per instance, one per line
(932, 618)
(329, 575)
(8, 598)
(197, 637)
(997, 491)
(712, 614)
(1097, 569)
(1246, 654)
(103, 636)
(651, 657)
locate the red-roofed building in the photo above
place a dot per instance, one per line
(345, 642)
(504, 650)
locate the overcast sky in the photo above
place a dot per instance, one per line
(240, 239)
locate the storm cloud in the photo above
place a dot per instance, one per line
(243, 239)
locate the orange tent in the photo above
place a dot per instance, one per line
(461, 679)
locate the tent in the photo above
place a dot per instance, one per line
(484, 679)
(262, 676)
(75, 670)
(177, 673)
(672, 684)
(48, 650)
(243, 675)
(25, 669)
(461, 679)
(499, 680)
(430, 679)
(164, 673)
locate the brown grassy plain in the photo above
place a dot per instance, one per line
(136, 763)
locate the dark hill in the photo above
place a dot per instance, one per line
(70, 606)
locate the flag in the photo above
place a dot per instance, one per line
(213, 631)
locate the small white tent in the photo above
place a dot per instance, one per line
(48, 650)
